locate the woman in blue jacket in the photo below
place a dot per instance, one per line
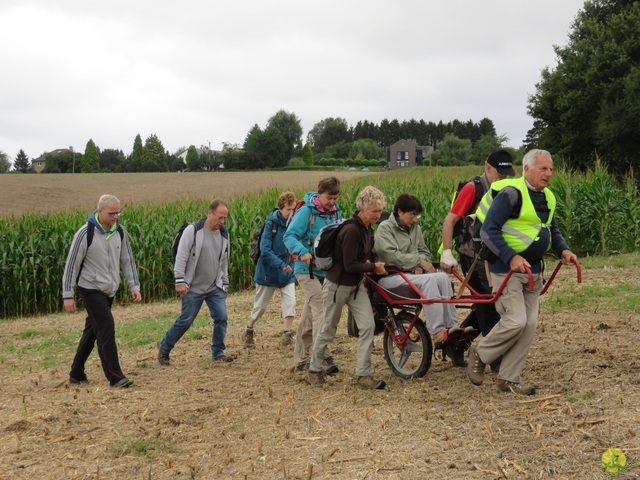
(274, 272)
(319, 209)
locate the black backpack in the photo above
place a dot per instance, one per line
(463, 233)
(90, 231)
(325, 241)
(254, 247)
(176, 241)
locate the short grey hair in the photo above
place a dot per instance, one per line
(531, 157)
(370, 197)
(107, 199)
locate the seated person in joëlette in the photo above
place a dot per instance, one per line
(399, 243)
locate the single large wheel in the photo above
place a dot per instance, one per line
(414, 358)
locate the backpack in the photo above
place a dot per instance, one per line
(300, 203)
(325, 241)
(254, 247)
(176, 241)
(91, 228)
(464, 230)
(90, 231)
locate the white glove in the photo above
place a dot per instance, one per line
(447, 258)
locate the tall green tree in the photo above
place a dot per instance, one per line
(289, 126)
(22, 162)
(307, 154)
(253, 148)
(589, 105)
(366, 148)
(389, 132)
(231, 156)
(176, 163)
(154, 157)
(193, 159)
(90, 162)
(452, 151)
(5, 163)
(135, 160)
(112, 160)
(328, 132)
(484, 146)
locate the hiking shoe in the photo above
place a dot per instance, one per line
(287, 338)
(75, 381)
(302, 367)
(370, 383)
(475, 367)
(330, 367)
(507, 386)
(447, 335)
(248, 339)
(223, 358)
(163, 357)
(315, 378)
(455, 351)
(123, 383)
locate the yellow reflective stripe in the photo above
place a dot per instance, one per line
(523, 237)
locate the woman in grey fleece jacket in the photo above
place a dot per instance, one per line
(399, 243)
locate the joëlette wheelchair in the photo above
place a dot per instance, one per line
(408, 348)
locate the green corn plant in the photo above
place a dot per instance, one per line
(598, 216)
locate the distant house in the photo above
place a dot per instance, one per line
(406, 153)
(39, 163)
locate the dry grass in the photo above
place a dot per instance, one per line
(44, 193)
(255, 418)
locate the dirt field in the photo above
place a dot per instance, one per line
(43, 193)
(256, 419)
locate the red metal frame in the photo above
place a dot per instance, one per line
(473, 298)
(401, 340)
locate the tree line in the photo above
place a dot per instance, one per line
(331, 142)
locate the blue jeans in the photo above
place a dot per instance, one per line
(191, 303)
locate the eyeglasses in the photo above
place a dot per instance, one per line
(414, 215)
(221, 217)
(113, 214)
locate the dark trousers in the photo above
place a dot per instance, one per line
(483, 316)
(99, 327)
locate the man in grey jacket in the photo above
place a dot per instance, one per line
(201, 273)
(99, 251)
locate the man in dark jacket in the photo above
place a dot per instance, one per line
(352, 257)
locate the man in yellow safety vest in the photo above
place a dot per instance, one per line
(518, 227)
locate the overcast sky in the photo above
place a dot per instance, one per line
(204, 71)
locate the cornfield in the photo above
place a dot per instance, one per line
(598, 215)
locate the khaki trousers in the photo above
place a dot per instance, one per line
(360, 308)
(513, 335)
(310, 319)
